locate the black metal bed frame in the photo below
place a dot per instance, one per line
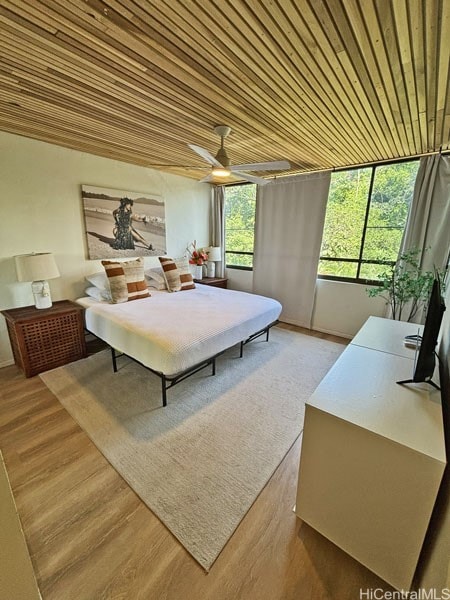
(168, 381)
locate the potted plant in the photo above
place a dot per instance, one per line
(404, 286)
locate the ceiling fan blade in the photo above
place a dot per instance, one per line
(206, 155)
(251, 178)
(206, 179)
(276, 165)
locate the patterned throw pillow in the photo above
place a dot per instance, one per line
(126, 280)
(177, 274)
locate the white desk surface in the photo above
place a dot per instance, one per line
(374, 334)
(361, 389)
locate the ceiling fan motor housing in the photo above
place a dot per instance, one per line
(222, 157)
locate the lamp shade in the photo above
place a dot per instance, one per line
(214, 253)
(36, 267)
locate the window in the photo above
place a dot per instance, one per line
(240, 203)
(366, 214)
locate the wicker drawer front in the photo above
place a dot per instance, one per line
(40, 344)
(52, 343)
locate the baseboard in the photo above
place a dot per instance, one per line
(333, 332)
(6, 363)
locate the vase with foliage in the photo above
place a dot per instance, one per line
(405, 287)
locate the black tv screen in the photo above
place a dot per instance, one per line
(426, 358)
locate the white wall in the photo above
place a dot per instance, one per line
(41, 211)
(339, 308)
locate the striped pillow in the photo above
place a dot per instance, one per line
(177, 274)
(126, 280)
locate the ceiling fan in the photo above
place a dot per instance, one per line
(221, 162)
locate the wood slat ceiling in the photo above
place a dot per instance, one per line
(320, 83)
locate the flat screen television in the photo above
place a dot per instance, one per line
(425, 361)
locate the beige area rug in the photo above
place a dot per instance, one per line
(200, 463)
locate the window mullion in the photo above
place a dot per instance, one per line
(366, 219)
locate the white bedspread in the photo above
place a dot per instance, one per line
(170, 332)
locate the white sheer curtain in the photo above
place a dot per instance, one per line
(290, 214)
(218, 225)
(428, 224)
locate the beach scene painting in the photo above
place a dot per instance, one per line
(121, 223)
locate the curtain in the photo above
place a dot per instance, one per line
(290, 214)
(428, 224)
(218, 225)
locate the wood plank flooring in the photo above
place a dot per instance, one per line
(91, 538)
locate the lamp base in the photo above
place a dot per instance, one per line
(41, 294)
(211, 268)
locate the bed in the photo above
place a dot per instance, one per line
(177, 334)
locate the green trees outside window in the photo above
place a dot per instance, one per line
(366, 214)
(240, 203)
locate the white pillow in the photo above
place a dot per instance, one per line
(98, 294)
(99, 280)
(155, 278)
(154, 285)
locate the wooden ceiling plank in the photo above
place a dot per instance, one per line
(313, 41)
(388, 27)
(416, 17)
(182, 27)
(431, 54)
(275, 51)
(322, 13)
(239, 86)
(403, 33)
(364, 24)
(72, 42)
(443, 71)
(354, 64)
(288, 51)
(31, 14)
(71, 50)
(325, 83)
(382, 57)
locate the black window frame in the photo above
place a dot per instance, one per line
(360, 260)
(239, 252)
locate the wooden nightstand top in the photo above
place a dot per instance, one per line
(213, 281)
(27, 313)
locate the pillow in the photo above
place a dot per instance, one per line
(156, 286)
(98, 280)
(100, 295)
(177, 274)
(155, 278)
(126, 280)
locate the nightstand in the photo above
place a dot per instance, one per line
(46, 338)
(219, 282)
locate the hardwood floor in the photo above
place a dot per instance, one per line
(91, 538)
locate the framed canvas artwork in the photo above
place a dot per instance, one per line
(120, 223)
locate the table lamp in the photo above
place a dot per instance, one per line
(214, 255)
(37, 268)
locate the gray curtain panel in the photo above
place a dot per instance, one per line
(290, 214)
(428, 224)
(218, 226)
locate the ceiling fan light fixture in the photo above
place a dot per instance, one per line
(221, 172)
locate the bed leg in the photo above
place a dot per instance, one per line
(114, 362)
(164, 390)
(241, 353)
(213, 366)
(267, 334)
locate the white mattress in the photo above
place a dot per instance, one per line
(170, 332)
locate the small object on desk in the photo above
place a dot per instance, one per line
(412, 341)
(220, 282)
